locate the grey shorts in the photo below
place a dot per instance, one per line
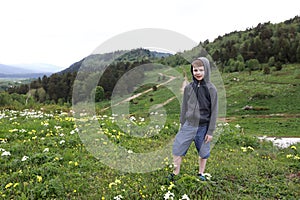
(186, 135)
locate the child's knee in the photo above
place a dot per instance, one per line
(204, 156)
(205, 150)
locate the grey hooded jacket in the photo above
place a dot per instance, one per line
(200, 101)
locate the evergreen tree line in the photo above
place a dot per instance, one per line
(58, 88)
(275, 44)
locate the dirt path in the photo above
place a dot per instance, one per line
(184, 83)
(171, 78)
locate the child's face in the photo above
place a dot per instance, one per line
(198, 72)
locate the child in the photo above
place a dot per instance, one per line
(197, 118)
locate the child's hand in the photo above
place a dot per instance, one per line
(208, 138)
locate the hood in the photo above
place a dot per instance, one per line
(206, 64)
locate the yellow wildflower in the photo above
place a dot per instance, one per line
(111, 184)
(244, 149)
(296, 157)
(171, 186)
(39, 178)
(289, 156)
(251, 148)
(8, 185)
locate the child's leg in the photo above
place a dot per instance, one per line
(181, 144)
(202, 164)
(202, 148)
(177, 162)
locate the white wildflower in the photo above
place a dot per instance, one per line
(169, 195)
(46, 150)
(132, 118)
(119, 197)
(24, 158)
(6, 153)
(237, 126)
(185, 197)
(62, 142)
(3, 141)
(129, 151)
(22, 131)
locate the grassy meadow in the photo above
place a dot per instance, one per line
(43, 156)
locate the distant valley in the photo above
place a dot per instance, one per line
(27, 70)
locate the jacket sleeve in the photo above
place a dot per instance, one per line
(214, 110)
(184, 106)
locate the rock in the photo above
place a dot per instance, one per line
(248, 107)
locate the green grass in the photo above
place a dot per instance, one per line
(268, 94)
(276, 126)
(241, 166)
(58, 164)
(274, 99)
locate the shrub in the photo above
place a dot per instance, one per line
(271, 61)
(278, 66)
(267, 70)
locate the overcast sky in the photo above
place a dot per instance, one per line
(61, 32)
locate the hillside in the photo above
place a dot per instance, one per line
(265, 104)
(267, 43)
(117, 56)
(262, 104)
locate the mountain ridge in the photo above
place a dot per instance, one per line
(34, 70)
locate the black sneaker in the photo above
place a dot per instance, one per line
(201, 177)
(171, 177)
